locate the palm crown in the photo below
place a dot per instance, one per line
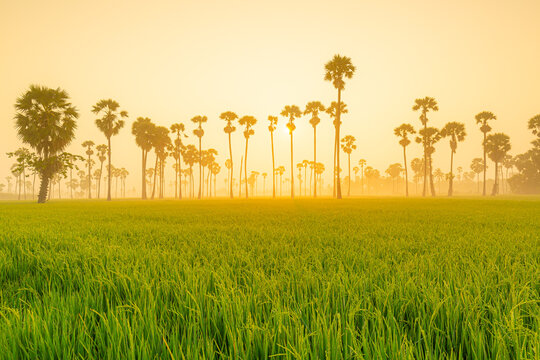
(229, 117)
(497, 145)
(112, 120)
(425, 105)
(313, 108)
(456, 132)
(144, 130)
(248, 122)
(483, 118)
(292, 112)
(338, 68)
(273, 123)
(347, 144)
(199, 132)
(403, 131)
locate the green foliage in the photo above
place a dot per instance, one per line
(366, 279)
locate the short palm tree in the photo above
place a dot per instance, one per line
(477, 166)
(199, 132)
(497, 146)
(45, 120)
(272, 127)
(403, 131)
(482, 119)
(109, 124)
(248, 122)
(88, 145)
(429, 136)
(348, 145)
(144, 131)
(313, 108)
(292, 112)
(456, 132)
(229, 117)
(336, 70)
(417, 166)
(425, 105)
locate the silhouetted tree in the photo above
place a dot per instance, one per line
(89, 152)
(144, 130)
(425, 105)
(313, 108)
(348, 145)
(403, 131)
(417, 165)
(362, 163)
(456, 132)
(429, 136)
(199, 132)
(102, 156)
(291, 112)
(272, 127)
(178, 129)
(497, 146)
(248, 122)
(527, 180)
(482, 119)
(229, 117)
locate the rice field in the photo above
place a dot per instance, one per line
(374, 278)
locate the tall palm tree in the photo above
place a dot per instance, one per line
(109, 124)
(160, 142)
(336, 70)
(178, 129)
(456, 132)
(272, 127)
(45, 120)
(425, 105)
(332, 110)
(144, 130)
(199, 132)
(102, 156)
(348, 145)
(88, 145)
(362, 163)
(229, 117)
(403, 131)
(248, 122)
(497, 146)
(429, 136)
(482, 119)
(292, 112)
(313, 108)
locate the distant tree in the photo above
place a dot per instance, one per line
(313, 108)
(199, 132)
(305, 164)
(429, 136)
(425, 105)
(229, 117)
(280, 171)
(403, 131)
(45, 120)
(497, 146)
(299, 166)
(336, 70)
(247, 122)
(88, 144)
(191, 157)
(264, 175)
(394, 171)
(272, 127)
(482, 119)
(160, 142)
(477, 166)
(291, 112)
(144, 130)
(362, 163)
(417, 166)
(348, 145)
(439, 176)
(333, 110)
(24, 161)
(456, 132)
(178, 129)
(109, 124)
(372, 175)
(102, 156)
(527, 180)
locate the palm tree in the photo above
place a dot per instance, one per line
(336, 69)
(362, 163)
(144, 130)
(332, 110)
(229, 117)
(394, 170)
(348, 145)
(439, 175)
(429, 136)
(477, 166)
(272, 127)
(102, 156)
(248, 122)
(292, 112)
(199, 132)
(110, 125)
(497, 146)
(280, 170)
(456, 132)
(264, 175)
(178, 129)
(403, 131)
(300, 166)
(417, 166)
(482, 118)
(88, 145)
(313, 108)
(45, 120)
(305, 164)
(160, 142)
(425, 104)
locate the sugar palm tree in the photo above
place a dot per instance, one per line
(88, 145)
(348, 145)
(299, 166)
(272, 127)
(143, 129)
(403, 131)
(425, 105)
(178, 129)
(160, 142)
(417, 166)
(229, 117)
(497, 146)
(362, 163)
(264, 175)
(305, 164)
(102, 156)
(429, 136)
(456, 132)
(248, 122)
(313, 108)
(46, 121)
(292, 112)
(280, 170)
(477, 166)
(332, 110)
(482, 119)
(109, 124)
(336, 70)
(199, 132)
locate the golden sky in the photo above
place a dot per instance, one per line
(172, 60)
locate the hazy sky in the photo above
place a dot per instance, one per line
(172, 60)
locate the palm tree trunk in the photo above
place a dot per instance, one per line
(245, 167)
(314, 162)
(43, 188)
(334, 168)
(89, 178)
(406, 172)
(143, 195)
(240, 180)
(496, 184)
(273, 166)
(109, 169)
(231, 169)
(292, 167)
(484, 190)
(432, 185)
(155, 177)
(179, 175)
(451, 185)
(425, 161)
(34, 186)
(349, 188)
(338, 116)
(200, 168)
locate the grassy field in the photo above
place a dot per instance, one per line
(361, 278)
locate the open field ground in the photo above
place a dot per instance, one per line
(359, 278)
